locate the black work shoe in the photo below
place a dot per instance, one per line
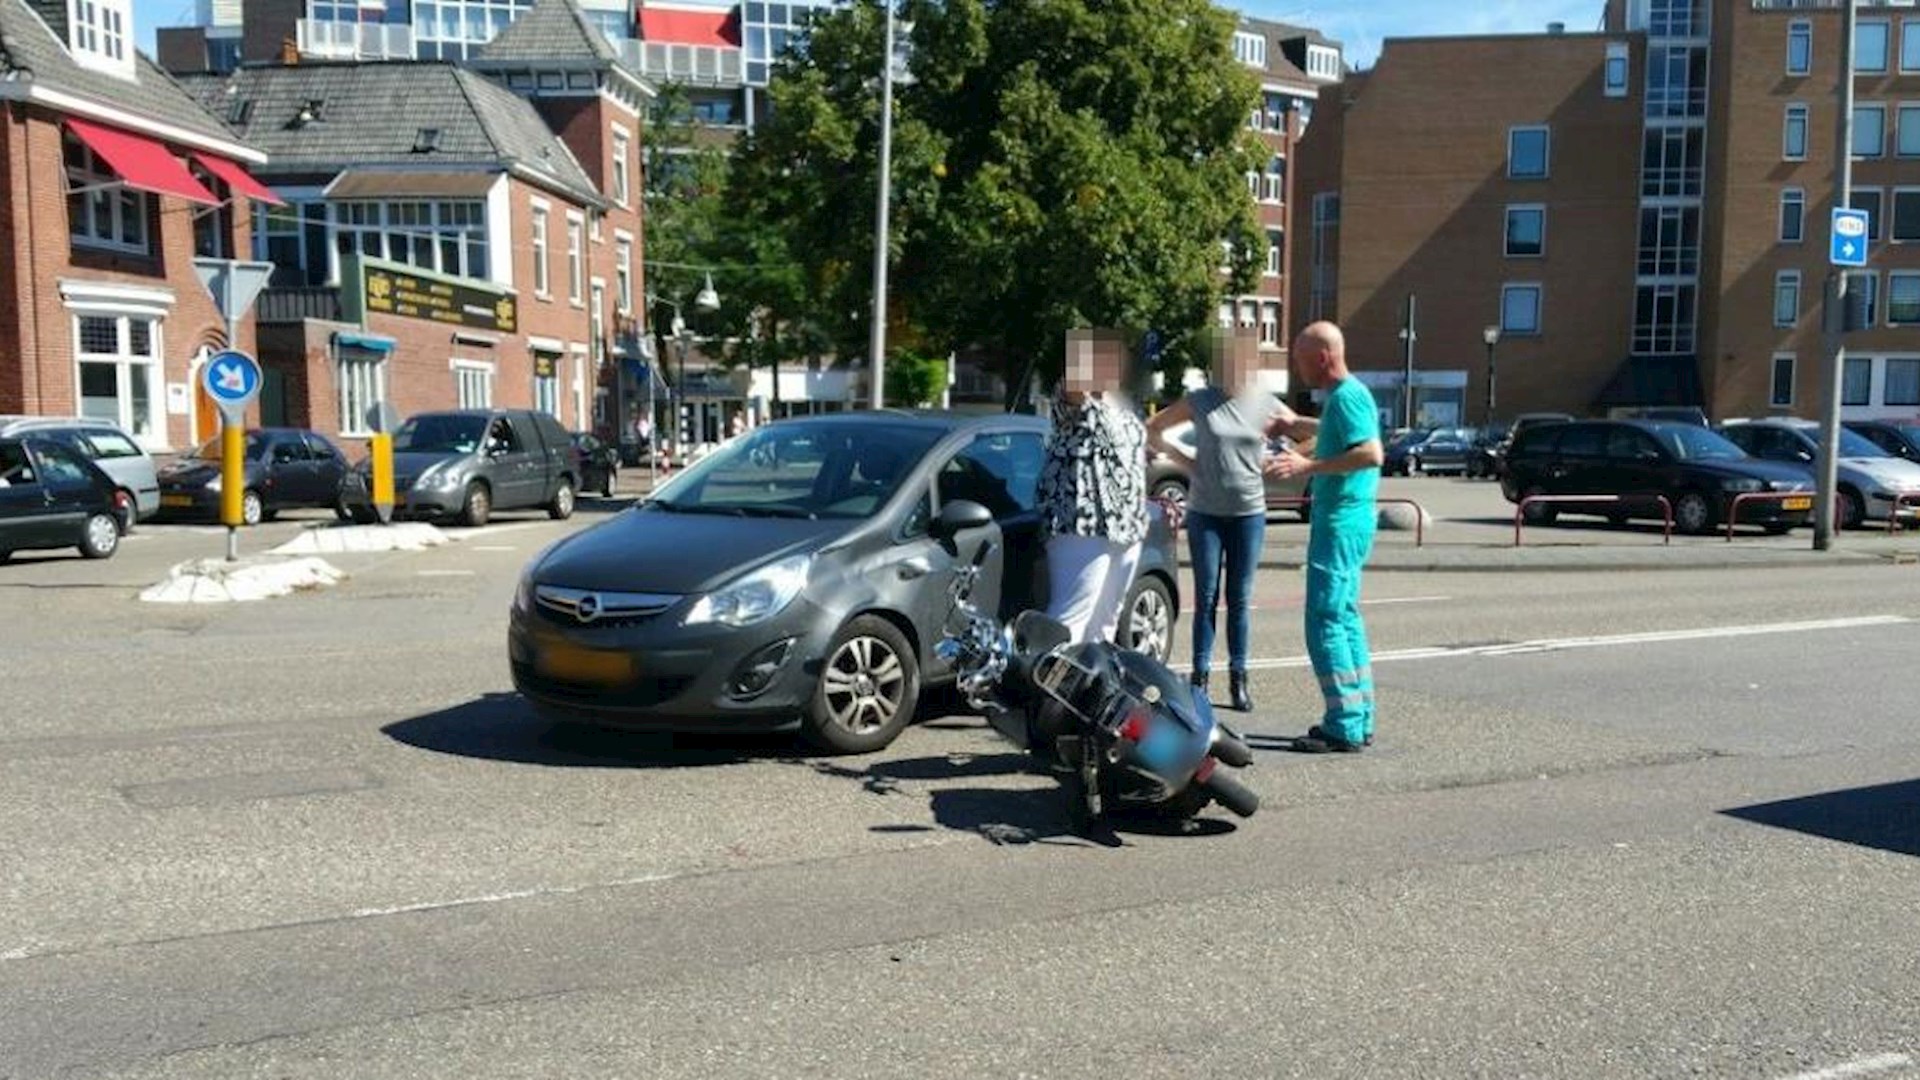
(1199, 680)
(1237, 687)
(1318, 741)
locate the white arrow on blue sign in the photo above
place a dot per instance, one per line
(232, 379)
(1849, 246)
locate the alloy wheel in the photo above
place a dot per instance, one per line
(864, 685)
(1150, 624)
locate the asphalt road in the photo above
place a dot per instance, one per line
(1646, 824)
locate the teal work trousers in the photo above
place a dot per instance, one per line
(1336, 638)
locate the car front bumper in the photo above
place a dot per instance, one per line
(655, 674)
(415, 503)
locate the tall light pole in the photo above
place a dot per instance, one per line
(1491, 335)
(878, 346)
(1408, 335)
(1826, 479)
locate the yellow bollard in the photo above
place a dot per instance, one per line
(381, 448)
(233, 480)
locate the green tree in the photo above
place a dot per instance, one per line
(913, 381)
(1056, 164)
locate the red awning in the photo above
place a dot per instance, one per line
(670, 27)
(142, 162)
(242, 182)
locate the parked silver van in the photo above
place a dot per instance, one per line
(106, 445)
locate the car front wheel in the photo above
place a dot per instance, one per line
(101, 537)
(1147, 624)
(868, 689)
(561, 508)
(478, 507)
(1693, 514)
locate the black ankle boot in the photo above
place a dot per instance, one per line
(1199, 679)
(1237, 687)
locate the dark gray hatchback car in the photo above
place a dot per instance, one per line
(797, 578)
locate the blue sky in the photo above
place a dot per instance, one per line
(1359, 24)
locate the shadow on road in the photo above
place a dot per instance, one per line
(502, 727)
(1886, 816)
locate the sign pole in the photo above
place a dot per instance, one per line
(1826, 479)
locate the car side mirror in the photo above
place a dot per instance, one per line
(959, 516)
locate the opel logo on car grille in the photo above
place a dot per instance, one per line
(587, 608)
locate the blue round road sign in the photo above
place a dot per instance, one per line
(231, 378)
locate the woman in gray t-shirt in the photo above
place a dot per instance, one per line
(1226, 512)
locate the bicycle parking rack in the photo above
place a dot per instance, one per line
(1733, 506)
(1520, 511)
(1419, 512)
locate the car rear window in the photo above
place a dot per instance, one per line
(112, 444)
(1583, 439)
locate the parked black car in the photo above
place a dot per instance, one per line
(1442, 450)
(1488, 444)
(808, 593)
(598, 463)
(466, 463)
(51, 497)
(1901, 438)
(283, 469)
(1497, 457)
(1697, 470)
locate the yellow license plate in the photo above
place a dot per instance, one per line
(176, 500)
(593, 666)
(1796, 504)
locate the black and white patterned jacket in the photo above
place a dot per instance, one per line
(1094, 482)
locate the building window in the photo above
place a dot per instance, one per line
(1906, 215)
(1868, 199)
(1902, 382)
(540, 282)
(1322, 62)
(1793, 215)
(1527, 152)
(1250, 49)
(455, 29)
(99, 34)
(447, 237)
(1269, 323)
(1520, 309)
(1663, 319)
(622, 150)
(1273, 182)
(1249, 314)
(1786, 298)
(1617, 69)
(623, 273)
(576, 259)
(1869, 131)
(1276, 247)
(1793, 139)
(1910, 45)
(1863, 298)
(1856, 381)
(597, 320)
(1870, 39)
(1669, 241)
(1906, 140)
(119, 362)
(363, 385)
(1526, 231)
(1674, 160)
(1903, 298)
(102, 212)
(1782, 390)
(546, 383)
(473, 384)
(1799, 47)
(1225, 315)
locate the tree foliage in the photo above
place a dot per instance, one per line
(914, 381)
(1056, 163)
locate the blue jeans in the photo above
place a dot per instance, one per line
(1236, 541)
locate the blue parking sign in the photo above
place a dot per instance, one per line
(1849, 247)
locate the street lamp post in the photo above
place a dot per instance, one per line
(1408, 335)
(878, 345)
(1826, 474)
(1491, 335)
(705, 300)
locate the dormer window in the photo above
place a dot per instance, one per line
(1322, 62)
(1250, 49)
(98, 34)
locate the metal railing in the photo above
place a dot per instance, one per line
(336, 40)
(1733, 505)
(695, 65)
(1419, 512)
(1520, 511)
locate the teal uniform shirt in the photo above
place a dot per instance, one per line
(1349, 419)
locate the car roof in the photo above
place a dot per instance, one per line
(930, 418)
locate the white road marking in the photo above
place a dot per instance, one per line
(1556, 644)
(520, 894)
(495, 547)
(446, 573)
(1860, 1066)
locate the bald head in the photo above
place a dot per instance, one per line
(1320, 354)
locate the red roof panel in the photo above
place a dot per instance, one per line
(689, 27)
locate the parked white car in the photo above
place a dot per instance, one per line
(1870, 479)
(103, 443)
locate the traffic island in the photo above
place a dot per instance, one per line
(365, 539)
(218, 581)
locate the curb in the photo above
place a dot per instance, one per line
(1488, 560)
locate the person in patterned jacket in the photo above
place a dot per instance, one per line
(1093, 488)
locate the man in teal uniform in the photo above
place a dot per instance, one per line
(1345, 472)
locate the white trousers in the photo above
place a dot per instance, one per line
(1089, 576)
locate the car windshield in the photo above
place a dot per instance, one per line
(211, 450)
(440, 435)
(1689, 443)
(1853, 444)
(804, 470)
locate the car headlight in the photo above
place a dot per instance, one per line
(523, 594)
(438, 479)
(1742, 485)
(758, 596)
(213, 483)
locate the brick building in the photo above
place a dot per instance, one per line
(1639, 211)
(453, 235)
(116, 180)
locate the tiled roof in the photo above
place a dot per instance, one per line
(550, 30)
(33, 49)
(374, 115)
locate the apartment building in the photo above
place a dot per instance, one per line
(116, 182)
(1633, 217)
(452, 235)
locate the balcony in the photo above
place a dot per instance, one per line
(298, 303)
(323, 39)
(691, 65)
